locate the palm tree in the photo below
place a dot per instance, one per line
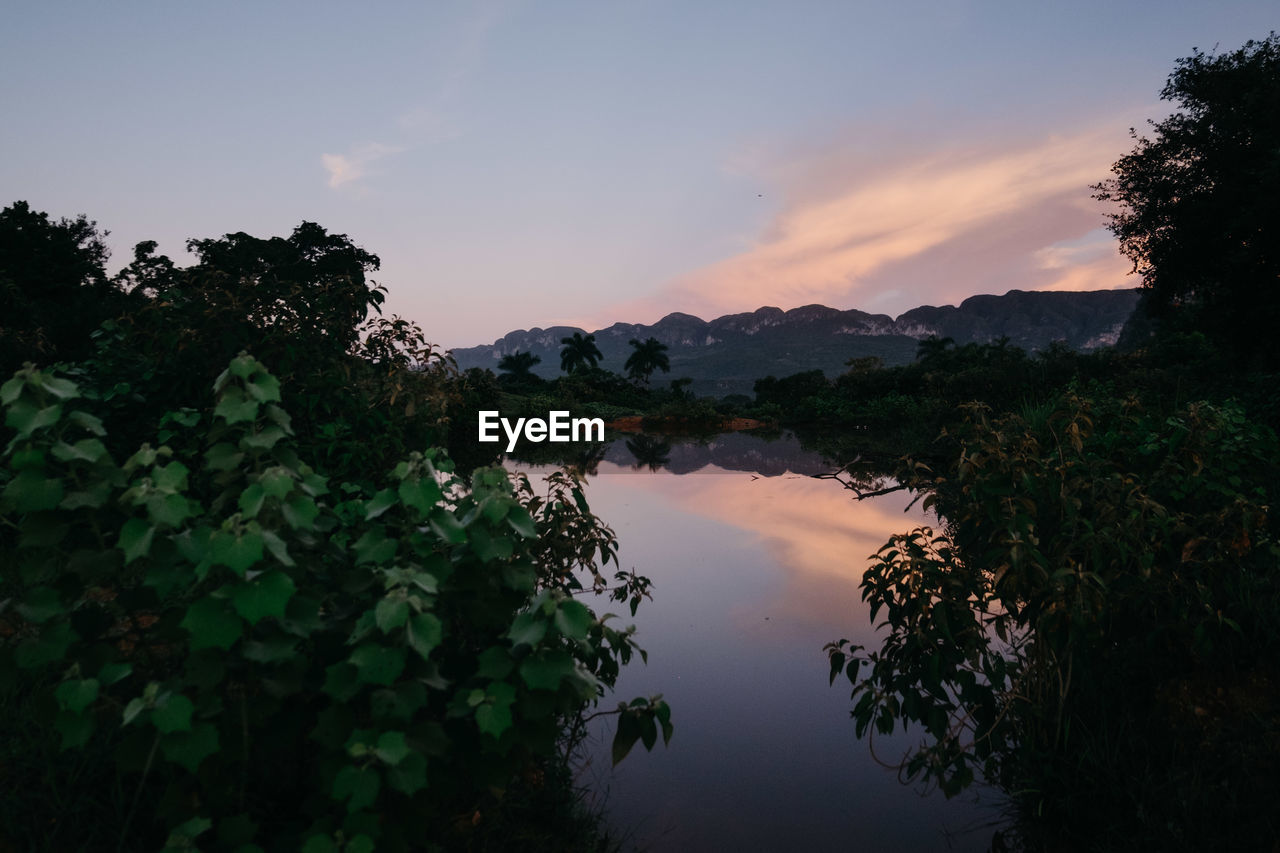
(932, 348)
(519, 365)
(580, 353)
(647, 357)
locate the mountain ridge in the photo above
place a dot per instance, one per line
(727, 354)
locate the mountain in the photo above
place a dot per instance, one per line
(727, 354)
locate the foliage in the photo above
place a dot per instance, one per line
(580, 353)
(1099, 564)
(1198, 213)
(153, 340)
(215, 644)
(518, 368)
(646, 357)
(54, 288)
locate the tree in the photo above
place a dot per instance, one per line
(297, 303)
(1200, 201)
(646, 358)
(54, 290)
(519, 365)
(932, 348)
(580, 353)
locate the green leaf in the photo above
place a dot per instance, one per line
(447, 526)
(276, 482)
(495, 663)
(131, 711)
(235, 407)
(573, 619)
(391, 613)
(169, 510)
(171, 477)
(266, 439)
(28, 419)
(87, 422)
(374, 547)
(174, 715)
(626, 736)
(76, 695)
(75, 728)
(546, 669)
(300, 512)
(135, 539)
(494, 716)
(182, 836)
(251, 500)
(236, 552)
(422, 494)
(277, 548)
(319, 844)
(410, 775)
(266, 595)
(342, 681)
(11, 390)
(264, 388)
(528, 628)
(377, 664)
(222, 457)
(114, 672)
(49, 646)
(521, 522)
(30, 491)
(41, 604)
(211, 625)
(392, 748)
(424, 633)
(63, 389)
(379, 503)
(358, 786)
(84, 450)
(190, 748)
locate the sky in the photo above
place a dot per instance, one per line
(522, 163)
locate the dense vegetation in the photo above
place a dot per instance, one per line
(1095, 629)
(251, 609)
(287, 620)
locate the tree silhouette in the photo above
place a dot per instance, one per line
(580, 353)
(1198, 215)
(519, 365)
(932, 348)
(645, 358)
(54, 290)
(652, 452)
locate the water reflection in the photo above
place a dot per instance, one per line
(756, 566)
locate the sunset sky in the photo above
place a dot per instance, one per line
(520, 164)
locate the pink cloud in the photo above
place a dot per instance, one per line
(928, 226)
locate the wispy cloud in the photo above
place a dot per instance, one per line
(931, 224)
(430, 121)
(348, 168)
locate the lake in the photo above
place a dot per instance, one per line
(755, 566)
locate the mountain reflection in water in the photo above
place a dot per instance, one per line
(756, 566)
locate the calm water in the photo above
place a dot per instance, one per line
(755, 568)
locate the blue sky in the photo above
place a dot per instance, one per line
(532, 163)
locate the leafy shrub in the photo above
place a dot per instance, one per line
(212, 643)
(1101, 568)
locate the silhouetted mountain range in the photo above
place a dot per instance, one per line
(727, 354)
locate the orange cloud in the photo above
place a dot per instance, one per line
(923, 227)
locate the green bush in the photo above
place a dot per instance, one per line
(212, 645)
(1106, 576)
